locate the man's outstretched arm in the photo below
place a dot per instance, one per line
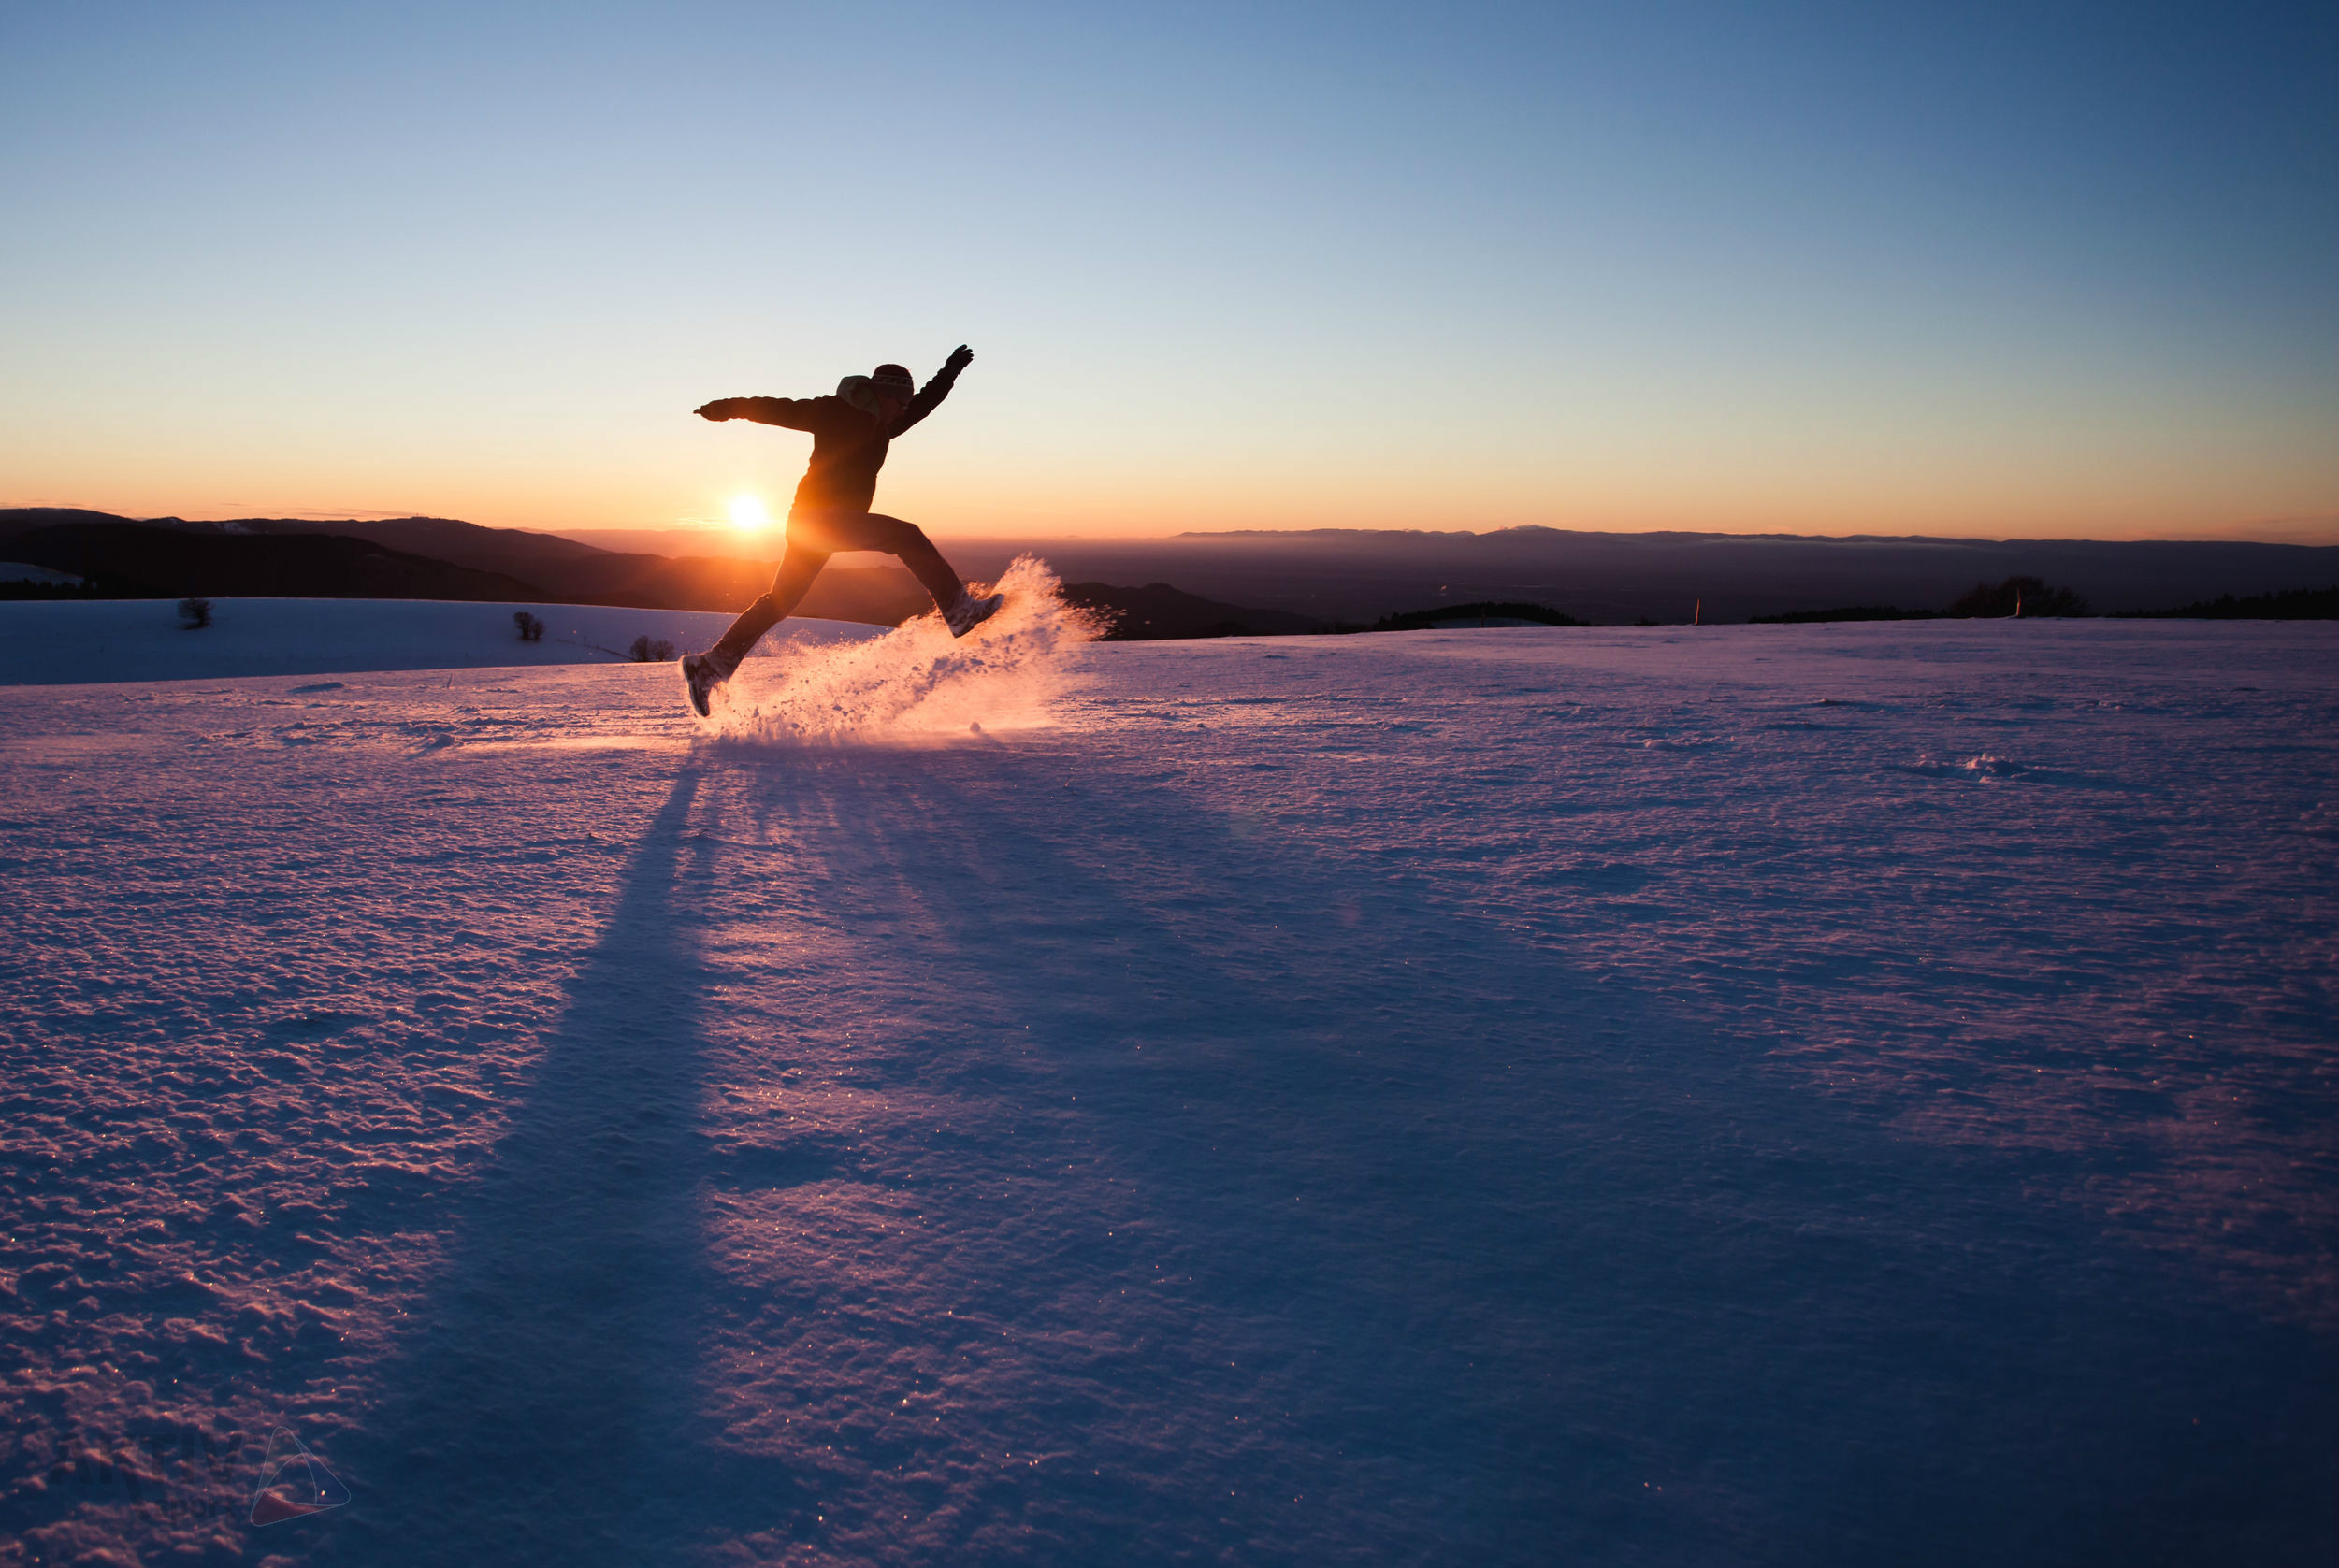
(793, 413)
(930, 396)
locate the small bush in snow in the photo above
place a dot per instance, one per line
(648, 652)
(531, 630)
(2017, 595)
(196, 614)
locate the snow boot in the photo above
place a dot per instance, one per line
(970, 612)
(700, 674)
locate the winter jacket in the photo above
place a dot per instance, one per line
(847, 447)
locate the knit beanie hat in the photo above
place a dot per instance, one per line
(890, 380)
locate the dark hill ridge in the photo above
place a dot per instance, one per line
(170, 557)
(1509, 613)
(517, 552)
(1158, 612)
(2295, 604)
(1303, 579)
(139, 562)
(1359, 575)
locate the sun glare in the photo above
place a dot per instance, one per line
(747, 513)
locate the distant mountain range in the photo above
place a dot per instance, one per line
(1157, 612)
(1225, 584)
(1357, 576)
(441, 558)
(416, 558)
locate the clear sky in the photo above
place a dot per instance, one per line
(2029, 269)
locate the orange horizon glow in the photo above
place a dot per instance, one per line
(999, 461)
(947, 514)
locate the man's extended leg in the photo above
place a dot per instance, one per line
(908, 542)
(702, 673)
(798, 567)
(961, 611)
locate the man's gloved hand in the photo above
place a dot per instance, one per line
(960, 357)
(722, 408)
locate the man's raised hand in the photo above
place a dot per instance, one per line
(721, 409)
(960, 357)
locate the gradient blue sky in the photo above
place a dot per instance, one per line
(2018, 270)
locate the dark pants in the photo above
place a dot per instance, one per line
(813, 536)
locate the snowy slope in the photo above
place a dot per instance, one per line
(20, 571)
(143, 639)
(1834, 1094)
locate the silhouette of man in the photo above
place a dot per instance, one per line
(850, 433)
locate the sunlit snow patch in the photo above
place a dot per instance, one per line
(293, 1482)
(917, 679)
(1984, 769)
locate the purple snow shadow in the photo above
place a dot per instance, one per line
(1418, 1246)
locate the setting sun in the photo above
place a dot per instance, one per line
(748, 512)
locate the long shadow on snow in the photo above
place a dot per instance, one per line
(544, 1414)
(1534, 1271)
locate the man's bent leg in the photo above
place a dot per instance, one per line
(917, 552)
(798, 567)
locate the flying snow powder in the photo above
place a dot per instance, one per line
(917, 680)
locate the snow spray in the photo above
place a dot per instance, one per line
(917, 680)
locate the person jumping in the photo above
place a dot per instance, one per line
(850, 432)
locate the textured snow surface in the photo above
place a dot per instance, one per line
(1771, 1095)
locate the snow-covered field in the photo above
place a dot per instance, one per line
(74, 641)
(1776, 1094)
